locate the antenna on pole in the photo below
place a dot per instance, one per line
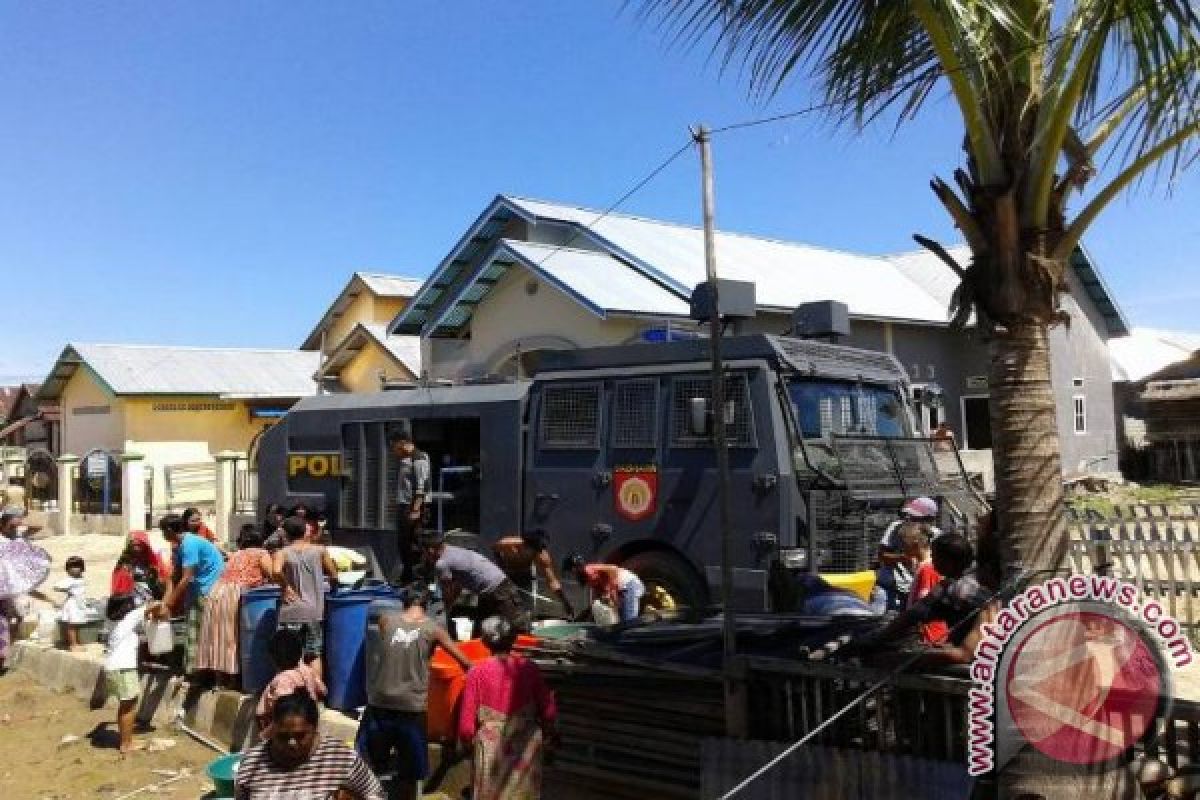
(735, 721)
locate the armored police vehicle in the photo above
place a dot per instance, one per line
(609, 450)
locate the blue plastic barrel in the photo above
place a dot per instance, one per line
(256, 624)
(345, 645)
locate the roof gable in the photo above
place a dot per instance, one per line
(597, 281)
(405, 350)
(377, 283)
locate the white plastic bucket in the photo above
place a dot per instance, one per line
(160, 639)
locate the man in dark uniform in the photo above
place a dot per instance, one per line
(412, 487)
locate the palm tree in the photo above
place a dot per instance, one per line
(1046, 91)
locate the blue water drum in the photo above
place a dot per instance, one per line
(256, 624)
(345, 644)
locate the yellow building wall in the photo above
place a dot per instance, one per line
(91, 417)
(386, 309)
(199, 427)
(361, 374)
(186, 430)
(361, 309)
(510, 315)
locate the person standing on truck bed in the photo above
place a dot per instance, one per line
(412, 487)
(896, 569)
(518, 555)
(457, 568)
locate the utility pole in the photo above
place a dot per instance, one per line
(735, 721)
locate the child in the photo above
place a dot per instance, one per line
(121, 663)
(287, 651)
(914, 538)
(300, 569)
(74, 612)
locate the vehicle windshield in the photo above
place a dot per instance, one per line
(823, 408)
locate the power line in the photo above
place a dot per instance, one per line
(751, 123)
(637, 187)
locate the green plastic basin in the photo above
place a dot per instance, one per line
(222, 771)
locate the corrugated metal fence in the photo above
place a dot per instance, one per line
(1156, 547)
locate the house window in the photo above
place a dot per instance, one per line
(1080, 408)
(1077, 383)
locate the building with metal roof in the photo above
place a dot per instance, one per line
(176, 407)
(357, 352)
(529, 275)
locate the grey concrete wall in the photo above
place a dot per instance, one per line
(946, 358)
(1080, 350)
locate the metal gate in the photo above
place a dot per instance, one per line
(41, 479)
(98, 484)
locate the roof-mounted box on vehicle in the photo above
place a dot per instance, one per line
(826, 319)
(735, 300)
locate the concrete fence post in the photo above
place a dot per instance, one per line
(8, 473)
(133, 491)
(66, 491)
(226, 468)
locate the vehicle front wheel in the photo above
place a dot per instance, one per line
(672, 585)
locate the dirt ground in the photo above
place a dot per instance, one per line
(39, 762)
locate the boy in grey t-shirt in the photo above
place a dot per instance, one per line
(391, 735)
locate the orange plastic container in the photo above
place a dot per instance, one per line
(446, 682)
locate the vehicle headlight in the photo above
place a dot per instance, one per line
(793, 558)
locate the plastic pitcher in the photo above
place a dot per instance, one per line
(160, 638)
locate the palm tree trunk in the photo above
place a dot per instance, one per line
(1029, 492)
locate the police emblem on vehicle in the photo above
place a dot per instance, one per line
(635, 491)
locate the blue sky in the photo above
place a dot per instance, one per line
(210, 173)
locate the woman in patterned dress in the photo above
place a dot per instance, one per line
(247, 568)
(509, 714)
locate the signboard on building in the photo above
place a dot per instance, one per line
(96, 465)
(977, 382)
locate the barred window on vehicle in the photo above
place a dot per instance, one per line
(739, 422)
(635, 414)
(366, 477)
(571, 417)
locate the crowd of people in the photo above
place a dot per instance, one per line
(937, 582)
(506, 712)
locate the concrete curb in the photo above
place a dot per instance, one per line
(226, 717)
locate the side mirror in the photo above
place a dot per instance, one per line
(698, 416)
